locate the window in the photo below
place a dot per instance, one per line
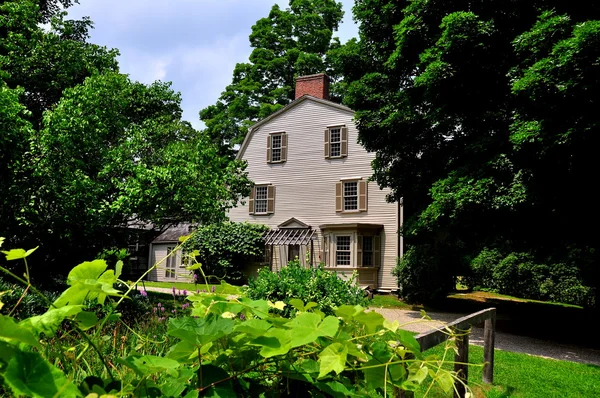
(343, 251)
(277, 148)
(171, 267)
(367, 251)
(336, 142)
(262, 200)
(351, 196)
(293, 252)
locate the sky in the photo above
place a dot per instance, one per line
(194, 44)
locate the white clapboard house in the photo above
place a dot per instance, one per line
(312, 188)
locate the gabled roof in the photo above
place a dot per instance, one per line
(286, 108)
(293, 223)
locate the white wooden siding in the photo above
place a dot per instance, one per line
(305, 183)
(158, 251)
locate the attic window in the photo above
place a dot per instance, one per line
(277, 148)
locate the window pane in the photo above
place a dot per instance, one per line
(367, 251)
(335, 139)
(350, 196)
(276, 148)
(342, 254)
(275, 154)
(335, 149)
(260, 200)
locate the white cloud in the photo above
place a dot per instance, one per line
(195, 44)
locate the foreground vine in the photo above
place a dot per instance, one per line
(227, 346)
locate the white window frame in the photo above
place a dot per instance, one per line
(345, 196)
(346, 250)
(261, 200)
(338, 143)
(171, 263)
(274, 148)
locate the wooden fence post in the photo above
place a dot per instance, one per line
(461, 366)
(489, 342)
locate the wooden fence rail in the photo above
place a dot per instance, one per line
(461, 327)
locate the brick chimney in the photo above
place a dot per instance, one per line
(315, 85)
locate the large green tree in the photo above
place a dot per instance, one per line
(288, 43)
(85, 150)
(483, 118)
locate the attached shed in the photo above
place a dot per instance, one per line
(172, 268)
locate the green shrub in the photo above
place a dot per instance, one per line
(482, 266)
(224, 249)
(423, 276)
(520, 274)
(307, 284)
(30, 304)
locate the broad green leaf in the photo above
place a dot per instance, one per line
(193, 267)
(355, 351)
(226, 288)
(221, 307)
(29, 374)
(297, 304)
(307, 327)
(16, 254)
(118, 269)
(408, 340)
(415, 379)
(10, 331)
(150, 364)
(274, 342)
(260, 308)
(370, 320)
(391, 326)
(334, 388)
(332, 358)
(183, 351)
(445, 380)
(347, 312)
(200, 330)
(374, 374)
(86, 320)
(209, 374)
(49, 321)
(253, 327)
(86, 270)
(280, 305)
(397, 373)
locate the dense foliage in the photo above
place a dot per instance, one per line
(518, 274)
(85, 151)
(306, 284)
(224, 344)
(484, 119)
(224, 249)
(288, 43)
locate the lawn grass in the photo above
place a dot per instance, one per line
(388, 301)
(191, 287)
(524, 376)
(485, 296)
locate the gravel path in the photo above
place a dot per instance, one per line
(412, 320)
